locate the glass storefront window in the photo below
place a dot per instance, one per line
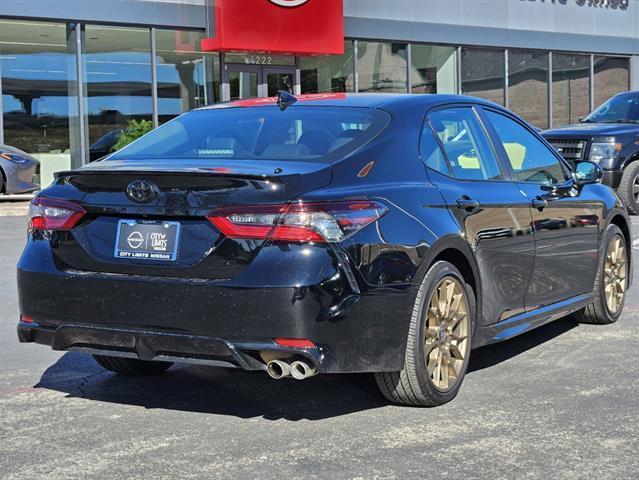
(117, 66)
(570, 88)
(183, 72)
(328, 73)
(433, 69)
(612, 76)
(37, 72)
(528, 85)
(483, 73)
(381, 67)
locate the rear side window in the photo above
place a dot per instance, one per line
(432, 152)
(253, 133)
(529, 158)
(469, 153)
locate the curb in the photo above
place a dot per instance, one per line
(13, 210)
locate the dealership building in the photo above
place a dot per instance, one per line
(74, 72)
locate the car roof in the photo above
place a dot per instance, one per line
(369, 100)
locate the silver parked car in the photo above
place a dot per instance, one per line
(19, 171)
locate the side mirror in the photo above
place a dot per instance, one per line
(586, 173)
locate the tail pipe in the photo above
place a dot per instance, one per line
(278, 369)
(301, 370)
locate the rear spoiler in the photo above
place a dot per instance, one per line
(198, 172)
(257, 170)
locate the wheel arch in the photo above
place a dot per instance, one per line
(456, 251)
(631, 158)
(620, 221)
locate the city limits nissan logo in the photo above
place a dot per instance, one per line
(289, 3)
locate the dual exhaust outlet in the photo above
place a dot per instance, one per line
(298, 369)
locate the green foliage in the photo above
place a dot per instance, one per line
(134, 131)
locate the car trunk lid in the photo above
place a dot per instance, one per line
(183, 196)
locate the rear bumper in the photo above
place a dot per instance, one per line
(197, 321)
(160, 346)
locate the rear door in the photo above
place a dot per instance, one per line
(566, 219)
(492, 213)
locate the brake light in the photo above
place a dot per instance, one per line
(50, 214)
(297, 222)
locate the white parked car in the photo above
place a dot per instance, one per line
(19, 171)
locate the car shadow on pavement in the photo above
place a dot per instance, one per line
(496, 353)
(202, 389)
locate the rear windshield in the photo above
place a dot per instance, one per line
(298, 133)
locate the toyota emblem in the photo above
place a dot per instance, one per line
(142, 191)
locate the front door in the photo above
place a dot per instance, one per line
(244, 81)
(565, 219)
(276, 79)
(490, 210)
(251, 81)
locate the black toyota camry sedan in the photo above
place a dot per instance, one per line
(323, 234)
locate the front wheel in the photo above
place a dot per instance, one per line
(629, 187)
(611, 281)
(438, 344)
(131, 366)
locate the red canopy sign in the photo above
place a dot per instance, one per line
(301, 27)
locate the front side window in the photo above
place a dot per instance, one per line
(469, 153)
(529, 158)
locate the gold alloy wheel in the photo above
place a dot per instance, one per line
(447, 327)
(615, 273)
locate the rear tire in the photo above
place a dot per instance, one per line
(629, 187)
(437, 336)
(131, 366)
(611, 280)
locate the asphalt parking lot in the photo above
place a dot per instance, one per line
(561, 402)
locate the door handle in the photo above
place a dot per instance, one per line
(539, 203)
(467, 203)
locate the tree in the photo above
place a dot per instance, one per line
(135, 130)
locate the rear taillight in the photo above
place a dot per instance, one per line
(297, 222)
(50, 214)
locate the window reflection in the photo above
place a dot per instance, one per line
(381, 67)
(483, 73)
(328, 73)
(528, 85)
(570, 88)
(433, 69)
(118, 78)
(612, 75)
(36, 102)
(182, 72)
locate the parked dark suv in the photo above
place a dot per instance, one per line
(608, 136)
(344, 234)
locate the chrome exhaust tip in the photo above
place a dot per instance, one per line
(278, 369)
(301, 370)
